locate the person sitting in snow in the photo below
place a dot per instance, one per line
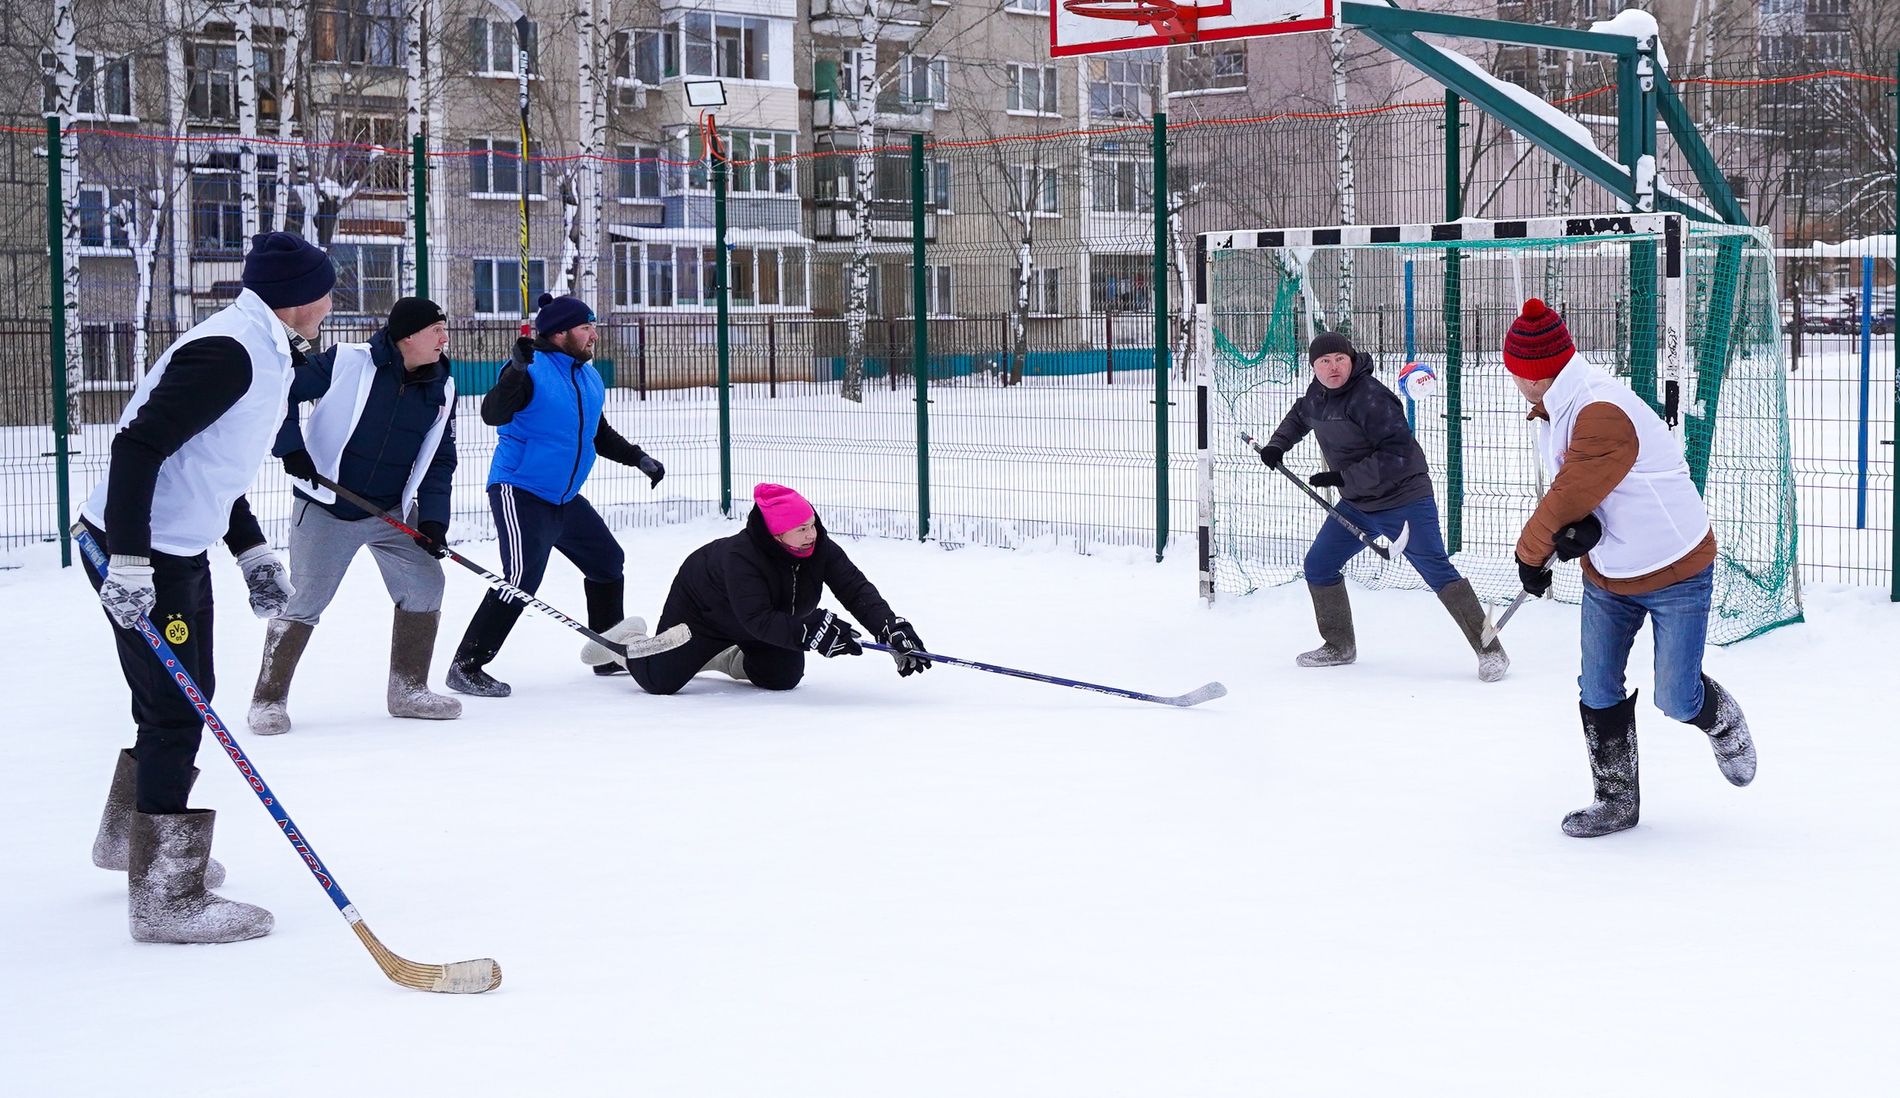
(1610, 456)
(751, 600)
(1384, 484)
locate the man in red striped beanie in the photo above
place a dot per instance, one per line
(1612, 459)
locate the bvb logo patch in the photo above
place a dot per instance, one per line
(177, 632)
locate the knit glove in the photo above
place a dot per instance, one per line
(127, 592)
(268, 580)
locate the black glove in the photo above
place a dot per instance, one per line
(1270, 456)
(524, 352)
(651, 467)
(1326, 478)
(902, 636)
(830, 635)
(299, 465)
(433, 537)
(1535, 578)
(1578, 538)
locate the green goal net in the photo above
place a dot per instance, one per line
(1684, 312)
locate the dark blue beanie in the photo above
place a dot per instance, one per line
(286, 270)
(557, 314)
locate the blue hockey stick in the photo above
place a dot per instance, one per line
(1196, 696)
(460, 977)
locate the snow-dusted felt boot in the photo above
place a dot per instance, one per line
(411, 647)
(1333, 611)
(731, 662)
(111, 848)
(166, 893)
(1727, 729)
(1610, 734)
(1463, 605)
(284, 642)
(594, 655)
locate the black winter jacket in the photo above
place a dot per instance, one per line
(1362, 432)
(747, 588)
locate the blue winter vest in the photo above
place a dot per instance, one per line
(548, 447)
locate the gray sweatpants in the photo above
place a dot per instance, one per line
(322, 546)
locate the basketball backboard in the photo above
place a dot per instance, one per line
(1104, 26)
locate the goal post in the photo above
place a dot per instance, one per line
(1683, 310)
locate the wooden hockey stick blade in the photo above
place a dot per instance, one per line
(459, 978)
(1198, 695)
(664, 641)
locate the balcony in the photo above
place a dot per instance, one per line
(892, 112)
(895, 20)
(890, 220)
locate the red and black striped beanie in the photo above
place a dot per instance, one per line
(1538, 344)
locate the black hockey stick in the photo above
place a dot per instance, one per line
(1370, 541)
(1206, 692)
(632, 650)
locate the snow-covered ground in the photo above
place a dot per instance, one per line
(1341, 882)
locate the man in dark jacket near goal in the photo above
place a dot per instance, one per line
(1384, 484)
(751, 601)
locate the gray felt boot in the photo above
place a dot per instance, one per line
(284, 642)
(1332, 609)
(1727, 729)
(111, 848)
(1463, 605)
(1610, 735)
(730, 662)
(411, 647)
(166, 893)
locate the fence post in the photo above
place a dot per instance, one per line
(419, 170)
(1161, 204)
(1866, 379)
(1893, 482)
(1454, 343)
(1411, 348)
(62, 415)
(920, 324)
(723, 299)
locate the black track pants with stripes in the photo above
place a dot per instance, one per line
(530, 529)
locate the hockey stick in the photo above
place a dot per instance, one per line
(461, 977)
(1370, 541)
(1583, 534)
(645, 646)
(520, 21)
(1196, 696)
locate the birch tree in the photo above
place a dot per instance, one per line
(65, 56)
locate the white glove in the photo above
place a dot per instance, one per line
(268, 580)
(127, 592)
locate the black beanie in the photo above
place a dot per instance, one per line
(1329, 343)
(411, 315)
(286, 270)
(554, 315)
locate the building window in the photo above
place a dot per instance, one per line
(1032, 89)
(494, 168)
(105, 351)
(212, 69)
(357, 32)
(939, 184)
(1122, 85)
(498, 285)
(644, 56)
(365, 278)
(493, 51)
(761, 161)
(937, 297)
(639, 171)
(1122, 186)
(1121, 283)
(665, 276)
(217, 212)
(1044, 291)
(105, 217)
(1209, 66)
(104, 86)
(376, 150)
(926, 81)
(736, 47)
(1036, 190)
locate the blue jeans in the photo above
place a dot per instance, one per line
(1679, 615)
(1335, 545)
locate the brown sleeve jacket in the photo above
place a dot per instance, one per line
(1602, 451)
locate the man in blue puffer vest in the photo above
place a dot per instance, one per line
(547, 404)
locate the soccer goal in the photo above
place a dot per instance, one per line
(1684, 311)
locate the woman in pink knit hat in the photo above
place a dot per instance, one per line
(751, 600)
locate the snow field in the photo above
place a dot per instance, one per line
(1330, 882)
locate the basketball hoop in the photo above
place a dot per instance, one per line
(1172, 21)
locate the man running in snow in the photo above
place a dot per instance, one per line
(188, 444)
(1611, 456)
(384, 428)
(548, 403)
(1384, 483)
(751, 600)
